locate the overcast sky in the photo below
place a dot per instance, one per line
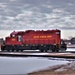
(37, 14)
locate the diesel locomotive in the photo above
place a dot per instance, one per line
(42, 40)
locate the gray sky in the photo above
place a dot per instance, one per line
(37, 14)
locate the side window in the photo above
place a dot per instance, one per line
(19, 38)
(57, 32)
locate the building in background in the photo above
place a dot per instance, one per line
(1, 41)
(72, 40)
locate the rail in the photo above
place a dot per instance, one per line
(54, 55)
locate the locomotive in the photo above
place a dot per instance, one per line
(42, 40)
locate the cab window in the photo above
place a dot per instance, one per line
(19, 38)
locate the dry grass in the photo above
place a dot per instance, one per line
(52, 71)
(48, 72)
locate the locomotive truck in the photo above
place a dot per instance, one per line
(42, 40)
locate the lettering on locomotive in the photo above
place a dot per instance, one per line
(13, 39)
(42, 37)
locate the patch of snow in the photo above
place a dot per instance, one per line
(71, 49)
(61, 69)
(18, 65)
(38, 53)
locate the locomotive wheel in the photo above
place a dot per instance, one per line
(57, 50)
(41, 50)
(20, 50)
(12, 50)
(9, 50)
(45, 50)
(53, 50)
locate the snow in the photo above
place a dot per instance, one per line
(71, 49)
(60, 69)
(38, 53)
(18, 65)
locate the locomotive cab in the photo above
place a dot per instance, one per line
(12, 42)
(19, 37)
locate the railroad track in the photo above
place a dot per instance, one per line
(25, 54)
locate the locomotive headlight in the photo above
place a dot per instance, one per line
(13, 35)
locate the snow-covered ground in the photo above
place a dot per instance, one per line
(18, 65)
(71, 49)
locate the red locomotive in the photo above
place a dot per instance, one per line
(32, 40)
